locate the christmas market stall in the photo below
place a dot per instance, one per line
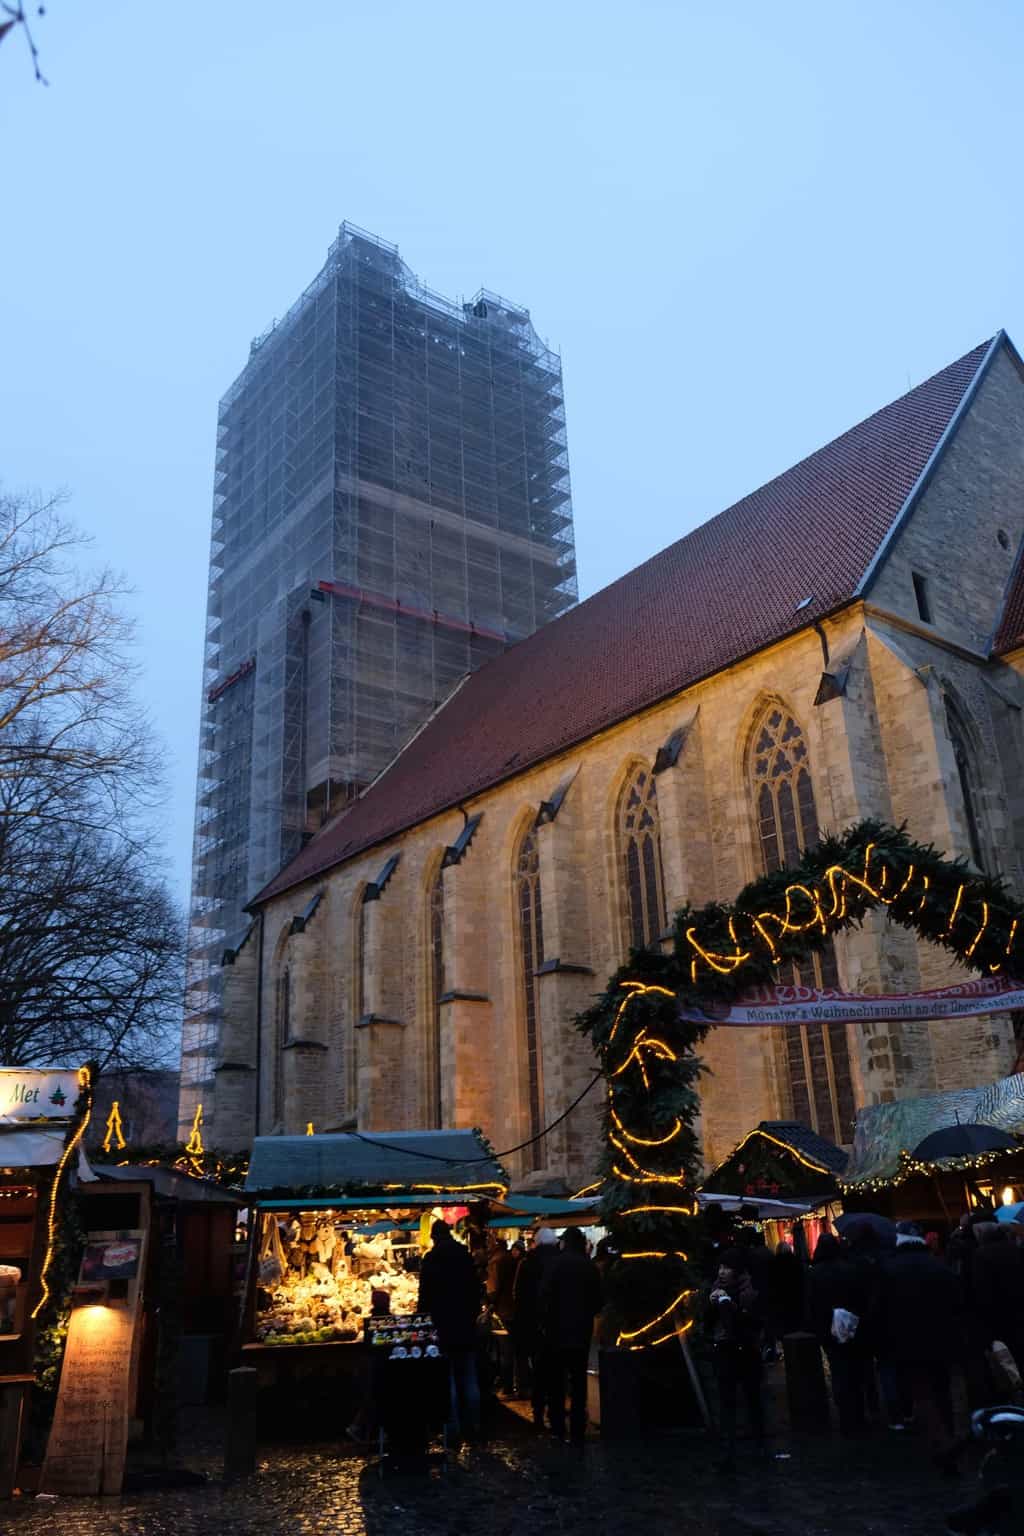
(934, 1158)
(784, 1177)
(340, 1223)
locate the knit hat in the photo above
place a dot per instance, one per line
(546, 1236)
(909, 1234)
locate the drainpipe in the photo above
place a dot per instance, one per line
(259, 1023)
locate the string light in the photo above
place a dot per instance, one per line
(194, 1145)
(658, 1210)
(977, 937)
(114, 1129)
(657, 1178)
(309, 1127)
(636, 1333)
(642, 1141)
(801, 1157)
(85, 1084)
(676, 1333)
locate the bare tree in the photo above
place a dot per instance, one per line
(91, 946)
(14, 14)
(65, 673)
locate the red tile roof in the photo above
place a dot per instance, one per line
(728, 589)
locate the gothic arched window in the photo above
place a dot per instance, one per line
(640, 840)
(283, 1025)
(817, 1055)
(432, 1064)
(964, 760)
(531, 953)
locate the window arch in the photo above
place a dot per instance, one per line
(640, 845)
(282, 1034)
(530, 921)
(435, 950)
(817, 1055)
(963, 756)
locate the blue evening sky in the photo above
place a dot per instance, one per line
(746, 226)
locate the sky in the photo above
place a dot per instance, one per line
(745, 227)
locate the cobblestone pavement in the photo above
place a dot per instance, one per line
(882, 1486)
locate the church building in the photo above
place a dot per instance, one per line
(847, 641)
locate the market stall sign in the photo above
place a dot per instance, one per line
(790, 1005)
(86, 1450)
(27, 1095)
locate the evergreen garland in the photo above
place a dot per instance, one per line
(648, 1048)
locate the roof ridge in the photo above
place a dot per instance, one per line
(771, 564)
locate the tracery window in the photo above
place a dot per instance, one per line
(531, 953)
(640, 839)
(965, 773)
(432, 1064)
(817, 1055)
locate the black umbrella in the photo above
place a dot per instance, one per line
(852, 1224)
(963, 1141)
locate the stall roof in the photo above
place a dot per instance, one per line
(883, 1131)
(353, 1163)
(171, 1184)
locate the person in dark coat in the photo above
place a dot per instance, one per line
(998, 1289)
(450, 1293)
(501, 1274)
(526, 1291)
(732, 1321)
(570, 1299)
(835, 1283)
(784, 1297)
(918, 1326)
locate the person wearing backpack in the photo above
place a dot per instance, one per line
(837, 1306)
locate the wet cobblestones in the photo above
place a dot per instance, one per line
(519, 1484)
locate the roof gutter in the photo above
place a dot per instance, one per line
(916, 490)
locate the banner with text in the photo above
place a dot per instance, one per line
(814, 1005)
(26, 1095)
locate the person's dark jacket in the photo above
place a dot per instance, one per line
(450, 1293)
(835, 1282)
(732, 1316)
(918, 1308)
(570, 1299)
(784, 1298)
(501, 1275)
(527, 1287)
(998, 1284)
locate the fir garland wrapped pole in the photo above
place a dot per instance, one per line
(648, 1024)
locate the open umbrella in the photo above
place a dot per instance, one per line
(852, 1224)
(963, 1141)
(1013, 1212)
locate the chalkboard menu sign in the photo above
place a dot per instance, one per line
(86, 1449)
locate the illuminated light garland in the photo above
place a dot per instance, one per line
(309, 1128)
(639, 1178)
(1013, 935)
(670, 1253)
(801, 1157)
(194, 1145)
(635, 989)
(972, 946)
(635, 1333)
(659, 1178)
(643, 1141)
(85, 1083)
(955, 912)
(588, 1189)
(676, 1333)
(114, 1128)
(723, 964)
(658, 1210)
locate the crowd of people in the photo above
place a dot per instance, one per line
(520, 1319)
(898, 1313)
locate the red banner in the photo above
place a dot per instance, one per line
(812, 1005)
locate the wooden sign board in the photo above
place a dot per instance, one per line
(88, 1440)
(89, 1436)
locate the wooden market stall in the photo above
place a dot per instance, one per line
(782, 1175)
(340, 1223)
(892, 1171)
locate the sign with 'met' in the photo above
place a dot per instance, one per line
(28, 1095)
